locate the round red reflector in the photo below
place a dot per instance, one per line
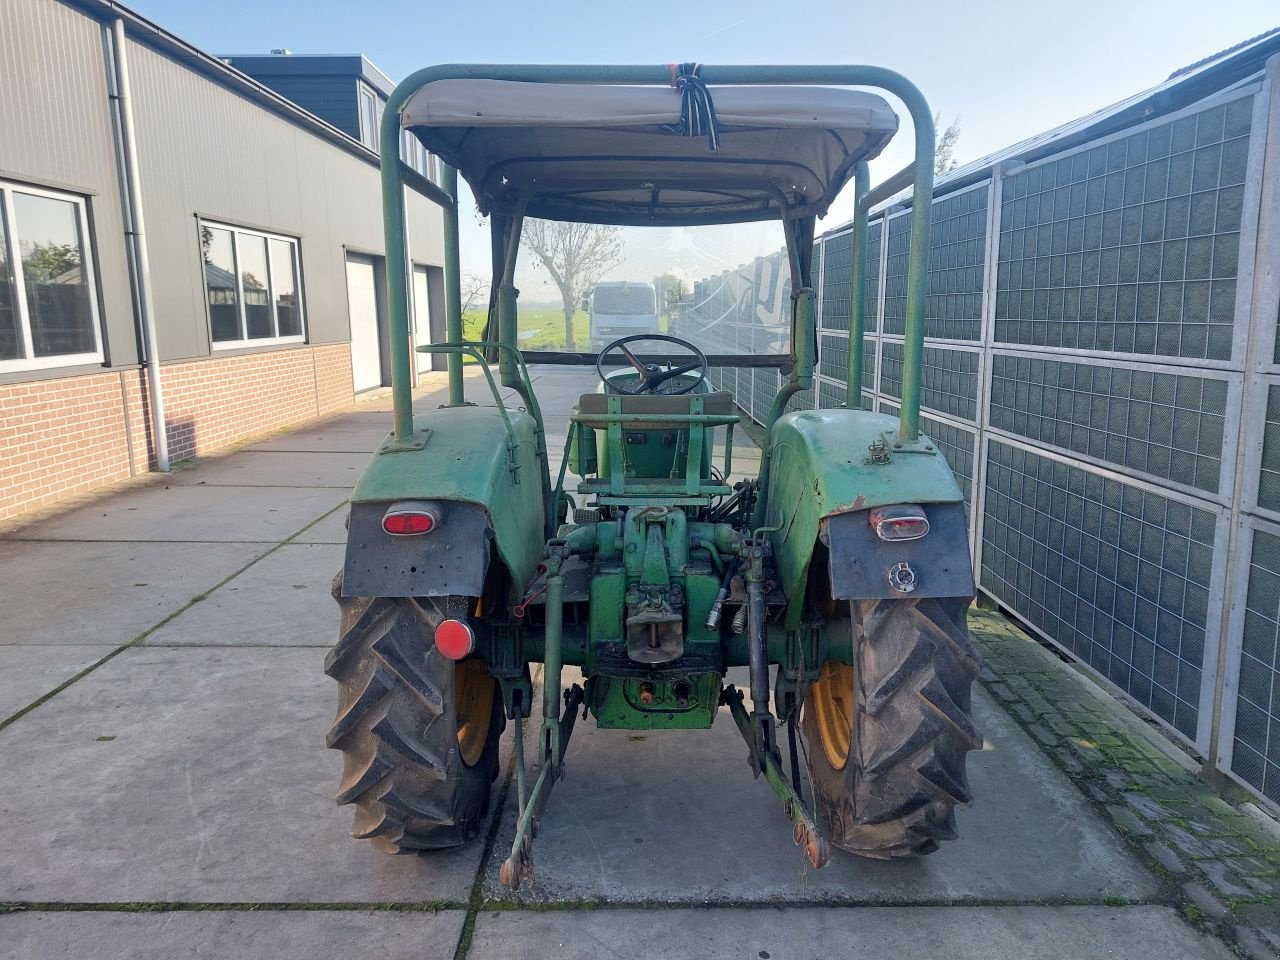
(454, 639)
(402, 524)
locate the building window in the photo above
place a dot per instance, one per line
(48, 295)
(370, 113)
(415, 155)
(251, 286)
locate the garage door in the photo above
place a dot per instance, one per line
(362, 303)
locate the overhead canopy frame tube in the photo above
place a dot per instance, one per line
(453, 296)
(857, 298)
(654, 75)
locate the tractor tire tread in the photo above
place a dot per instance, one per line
(396, 728)
(897, 792)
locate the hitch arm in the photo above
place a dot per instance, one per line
(805, 833)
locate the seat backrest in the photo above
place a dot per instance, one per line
(718, 404)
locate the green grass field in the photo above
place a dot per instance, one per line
(539, 329)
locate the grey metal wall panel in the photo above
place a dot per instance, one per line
(55, 131)
(949, 378)
(957, 247)
(1118, 575)
(1130, 246)
(1255, 755)
(1164, 424)
(206, 151)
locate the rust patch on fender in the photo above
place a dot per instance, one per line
(859, 504)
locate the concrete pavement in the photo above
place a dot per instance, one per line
(168, 792)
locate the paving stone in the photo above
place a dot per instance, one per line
(1206, 901)
(244, 935)
(1253, 945)
(1225, 881)
(283, 600)
(610, 830)
(1068, 759)
(1044, 735)
(1146, 805)
(1117, 780)
(215, 787)
(1197, 847)
(865, 933)
(105, 593)
(1265, 918)
(1023, 712)
(1165, 857)
(1127, 821)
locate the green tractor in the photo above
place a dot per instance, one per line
(839, 577)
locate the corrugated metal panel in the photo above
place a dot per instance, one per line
(57, 132)
(205, 151)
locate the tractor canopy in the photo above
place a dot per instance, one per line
(615, 154)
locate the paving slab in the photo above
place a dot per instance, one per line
(243, 935)
(282, 600)
(332, 529)
(105, 593)
(675, 816)
(27, 673)
(276, 468)
(347, 433)
(215, 787)
(862, 933)
(179, 512)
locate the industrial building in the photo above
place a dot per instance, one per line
(189, 256)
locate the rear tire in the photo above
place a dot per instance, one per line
(900, 721)
(398, 727)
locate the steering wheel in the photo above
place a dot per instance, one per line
(652, 376)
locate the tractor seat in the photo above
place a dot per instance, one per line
(718, 405)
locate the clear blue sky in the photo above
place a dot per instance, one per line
(1008, 69)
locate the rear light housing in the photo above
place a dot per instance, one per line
(455, 639)
(411, 518)
(905, 521)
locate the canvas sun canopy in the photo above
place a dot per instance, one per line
(611, 154)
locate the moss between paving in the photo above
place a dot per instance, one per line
(1223, 863)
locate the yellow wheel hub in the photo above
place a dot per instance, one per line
(833, 700)
(473, 691)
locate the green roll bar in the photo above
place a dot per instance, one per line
(393, 212)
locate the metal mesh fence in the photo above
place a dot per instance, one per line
(1130, 246)
(1106, 407)
(1269, 474)
(949, 378)
(957, 251)
(1167, 425)
(1117, 575)
(1255, 754)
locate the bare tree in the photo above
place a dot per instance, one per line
(473, 288)
(576, 255)
(944, 155)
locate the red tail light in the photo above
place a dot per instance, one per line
(455, 639)
(902, 522)
(410, 519)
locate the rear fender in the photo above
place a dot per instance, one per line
(822, 485)
(485, 482)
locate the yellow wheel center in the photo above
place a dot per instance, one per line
(833, 700)
(473, 691)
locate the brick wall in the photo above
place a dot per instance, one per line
(60, 438)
